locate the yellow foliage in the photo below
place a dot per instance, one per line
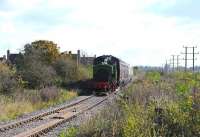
(4, 68)
(49, 49)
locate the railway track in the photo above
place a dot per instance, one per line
(42, 123)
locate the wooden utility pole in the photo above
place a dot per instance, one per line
(173, 62)
(193, 57)
(186, 53)
(166, 67)
(177, 62)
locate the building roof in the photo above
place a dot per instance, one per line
(12, 58)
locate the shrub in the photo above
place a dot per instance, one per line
(35, 64)
(8, 79)
(38, 75)
(71, 132)
(49, 93)
(153, 76)
(108, 122)
(68, 71)
(148, 110)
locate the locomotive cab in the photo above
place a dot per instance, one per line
(104, 73)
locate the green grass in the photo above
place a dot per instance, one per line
(71, 132)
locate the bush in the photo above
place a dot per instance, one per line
(38, 75)
(35, 64)
(68, 72)
(8, 79)
(146, 109)
(49, 93)
(42, 65)
(153, 76)
(71, 132)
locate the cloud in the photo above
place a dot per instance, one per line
(179, 8)
(19, 5)
(138, 31)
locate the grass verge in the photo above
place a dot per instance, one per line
(29, 101)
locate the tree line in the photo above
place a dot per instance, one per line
(40, 65)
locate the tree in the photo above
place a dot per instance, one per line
(49, 50)
(42, 65)
(35, 64)
(38, 74)
(66, 69)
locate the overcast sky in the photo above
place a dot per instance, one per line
(140, 32)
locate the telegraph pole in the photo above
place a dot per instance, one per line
(166, 67)
(186, 53)
(177, 62)
(170, 64)
(186, 58)
(173, 62)
(193, 57)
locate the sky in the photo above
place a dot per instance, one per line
(140, 32)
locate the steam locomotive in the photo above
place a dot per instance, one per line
(109, 73)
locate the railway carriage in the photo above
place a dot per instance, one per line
(109, 73)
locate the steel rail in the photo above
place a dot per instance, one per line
(67, 116)
(39, 116)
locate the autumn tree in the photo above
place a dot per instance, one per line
(48, 50)
(42, 65)
(35, 63)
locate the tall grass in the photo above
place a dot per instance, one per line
(29, 101)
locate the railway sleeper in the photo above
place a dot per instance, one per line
(57, 117)
(46, 128)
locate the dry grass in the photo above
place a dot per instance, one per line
(12, 107)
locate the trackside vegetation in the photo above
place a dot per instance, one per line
(156, 105)
(31, 100)
(38, 79)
